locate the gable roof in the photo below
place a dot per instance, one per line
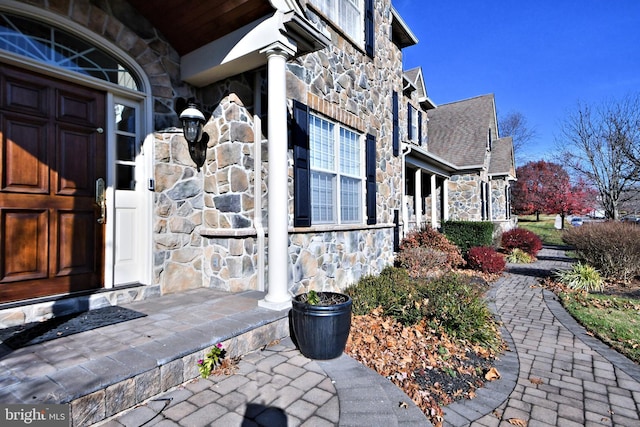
(502, 161)
(415, 77)
(459, 131)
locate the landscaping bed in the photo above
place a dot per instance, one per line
(432, 368)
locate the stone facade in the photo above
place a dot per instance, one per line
(465, 203)
(342, 84)
(209, 225)
(499, 200)
(205, 229)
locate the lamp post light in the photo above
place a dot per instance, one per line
(193, 121)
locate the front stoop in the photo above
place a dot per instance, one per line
(104, 371)
(114, 398)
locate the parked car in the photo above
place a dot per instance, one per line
(631, 219)
(576, 221)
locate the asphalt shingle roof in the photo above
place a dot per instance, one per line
(458, 131)
(501, 162)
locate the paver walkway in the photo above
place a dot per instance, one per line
(565, 378)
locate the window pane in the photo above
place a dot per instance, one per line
(321, 144)
(125, 179)
(51, 45)
(322, 197)
(351, 19)
(350, 199)
(349, 152)
(125, 118)
(125, 148)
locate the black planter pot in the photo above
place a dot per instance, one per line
(321, 331)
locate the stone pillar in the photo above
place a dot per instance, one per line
(277, 297)
(418, 197)
(434, 202)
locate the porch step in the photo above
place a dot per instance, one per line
(104, 371)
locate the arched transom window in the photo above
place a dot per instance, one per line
(50, 45)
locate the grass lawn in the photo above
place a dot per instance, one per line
(543, 228)
(614, 320)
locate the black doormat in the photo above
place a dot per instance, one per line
(37, 332)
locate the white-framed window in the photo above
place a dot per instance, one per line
(414, 122)
(348, 15)
(337, 176)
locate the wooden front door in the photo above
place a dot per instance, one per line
(52, 151)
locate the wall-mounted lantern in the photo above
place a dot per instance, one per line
(193, 121)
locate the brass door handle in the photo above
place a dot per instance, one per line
(101, 200)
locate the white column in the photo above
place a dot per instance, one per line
(434, 203)
(417, 177)
(445, 199)
(277, 297)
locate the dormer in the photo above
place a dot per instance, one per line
(415, 79)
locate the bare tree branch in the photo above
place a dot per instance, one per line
(597, 145)
(514, 124)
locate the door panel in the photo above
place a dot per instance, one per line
(76, 152)
(50, 159)
(75, 249)
(25, 237)
(25, 169)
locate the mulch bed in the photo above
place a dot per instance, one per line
(432, 368)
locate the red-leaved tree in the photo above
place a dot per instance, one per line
(545, 187)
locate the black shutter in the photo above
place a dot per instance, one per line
(409, 122)
(301, 166)
(369, 30)
(396, 230)
(371, 179)
(396, 126)
(419, 127)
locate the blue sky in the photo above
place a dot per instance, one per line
(539, 58)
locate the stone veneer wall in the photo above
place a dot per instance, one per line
(344, 85)
(333, 260)
(498, 200)
(204, 231)
(464, 198)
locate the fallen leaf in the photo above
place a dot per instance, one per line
(536, 381)
(492, 375)
(517, 422)
(403, 405)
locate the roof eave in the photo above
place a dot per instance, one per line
(401, 31)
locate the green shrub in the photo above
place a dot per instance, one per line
(458, 306)
(468, 234)
(612, 248)
(581, 277)
(518, 256)
(384, 290)
(452, 302)
(485, 259)
(427, 237)
(522, 239)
